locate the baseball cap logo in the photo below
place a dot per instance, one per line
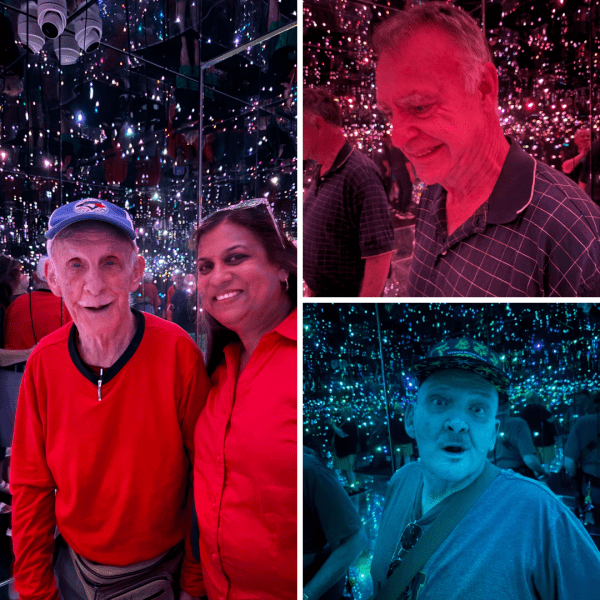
(85, 206)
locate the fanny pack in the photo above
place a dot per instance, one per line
(152, 578)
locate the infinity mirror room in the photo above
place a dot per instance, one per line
(139, 122)
(169, 109)
(546, 54)
(360, 366)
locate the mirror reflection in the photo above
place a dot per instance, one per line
(168, 109)
(359, 385)
(546, 56)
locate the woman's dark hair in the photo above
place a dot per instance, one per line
(10, 276)
(256, 220)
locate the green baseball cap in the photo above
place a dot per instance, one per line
(464, 353)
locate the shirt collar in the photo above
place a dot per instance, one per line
(514, 188)
(288, 327)
(341, 157)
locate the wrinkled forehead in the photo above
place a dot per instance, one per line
(427, 61)
(458, 381)
(90, 234)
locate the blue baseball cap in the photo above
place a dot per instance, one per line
(90, 209)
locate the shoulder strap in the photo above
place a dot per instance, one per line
(439, 530)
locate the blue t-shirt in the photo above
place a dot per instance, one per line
(517, 542)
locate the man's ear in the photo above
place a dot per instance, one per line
(488, 87)
(319, 122)
(496, 432)
(409, 420)
(139, 265)
(52, 277)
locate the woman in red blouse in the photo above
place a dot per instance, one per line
(245, 441)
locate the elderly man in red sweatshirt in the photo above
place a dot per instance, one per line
(104, 429)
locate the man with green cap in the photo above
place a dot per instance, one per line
(516, 540)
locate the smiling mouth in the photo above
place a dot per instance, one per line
(428, 152)
(228, 295)
(97, 308)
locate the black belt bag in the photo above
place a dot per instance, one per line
(152, 578)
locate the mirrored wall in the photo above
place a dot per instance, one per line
(169, 108)
(360, 356)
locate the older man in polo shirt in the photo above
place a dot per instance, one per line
(494, 221)
(348, 236)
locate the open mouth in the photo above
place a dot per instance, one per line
(228, 295)
(98, 309)
(454, 449)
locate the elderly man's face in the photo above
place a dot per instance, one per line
(94, 272)
(454, 423)
(435, 122)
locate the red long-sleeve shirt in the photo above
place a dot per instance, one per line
(32, 316)
(113, 473)
(245, 472)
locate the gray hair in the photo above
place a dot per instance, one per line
(460, 26)
(91, 225)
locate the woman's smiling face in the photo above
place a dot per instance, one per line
(238, 284)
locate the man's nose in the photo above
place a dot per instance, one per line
(94, 281)
(455, 423)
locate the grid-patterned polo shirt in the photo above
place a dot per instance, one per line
(346, 220)
(538, 234)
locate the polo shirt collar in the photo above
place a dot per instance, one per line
(342, 156)
(513, 191)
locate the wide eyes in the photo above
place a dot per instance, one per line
(438, 401)
(441, 402)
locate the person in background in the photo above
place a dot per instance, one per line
(542, 425)
(11, 63)
(11, 279)
(589, 177)
(333, 534)
(398, 177)
(345, 444)
(146, 297)
(177, 285)
(103, 442)
(348, 235)
(32, 316)
(245, 475)
(515, 448)
(582, 453)
(573, 156)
